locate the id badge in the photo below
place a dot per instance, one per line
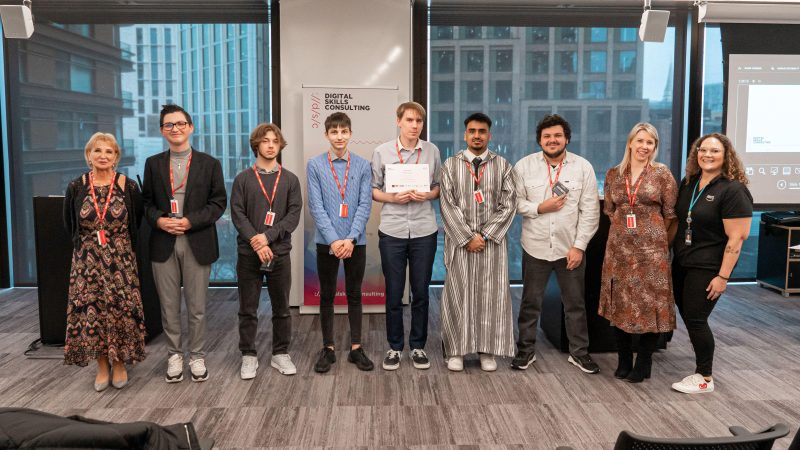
(343, 210)
(101, 238)
(173, 208)
(687, 238)
(630, 221)
(478, 196)
(269, 219)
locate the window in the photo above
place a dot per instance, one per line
(472, 60)
(471, 32)
(443, 92)
(442, 61)
(443, 33)
(627, 34)
(124, 97)
(500, 32)
(502, 60)
(572, 71)
(594, 62)
(536, 62)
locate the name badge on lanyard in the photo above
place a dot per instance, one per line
(342, 186)
(269, 219)
(687, 238)
(102, 239)
(478, 196)
(630, 219)
(173, 204)
(478, 192)
(173, 208)
(343, 210)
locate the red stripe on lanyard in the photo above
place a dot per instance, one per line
(558, 174)
(419, 153)
(632, 198)
(185, 176)
(101, 217)
(478, 178)
(342, 190)
(274, 187)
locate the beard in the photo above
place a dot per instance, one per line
(555, 154)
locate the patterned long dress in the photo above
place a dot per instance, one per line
(476, 302)
(104, 313)
(636, 290)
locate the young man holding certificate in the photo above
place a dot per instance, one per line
(405, 178)
(265, 209)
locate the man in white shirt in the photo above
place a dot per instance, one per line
(558, 200)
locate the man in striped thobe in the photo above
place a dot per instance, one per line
(478, 204)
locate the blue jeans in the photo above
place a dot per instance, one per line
(418, 254)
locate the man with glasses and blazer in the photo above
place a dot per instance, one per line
(184, 195)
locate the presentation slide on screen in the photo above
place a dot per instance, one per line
(763, 119)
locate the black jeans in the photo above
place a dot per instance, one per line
(328, 272)
(279, 281)
(535, 275)
(689, 286)
(418, 254)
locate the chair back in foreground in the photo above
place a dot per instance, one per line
(741, 440)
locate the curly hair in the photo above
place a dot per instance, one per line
(731, 164)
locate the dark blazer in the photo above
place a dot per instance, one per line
(78, 189)
(203, 204)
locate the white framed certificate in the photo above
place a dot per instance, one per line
(406, 177)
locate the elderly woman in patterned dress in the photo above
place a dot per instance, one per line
(636, 292)
(102, 212)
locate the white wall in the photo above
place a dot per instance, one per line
(336, 43)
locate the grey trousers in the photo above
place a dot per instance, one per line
(181, 266)
(535, 274)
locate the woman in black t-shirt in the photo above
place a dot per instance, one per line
(714, 211)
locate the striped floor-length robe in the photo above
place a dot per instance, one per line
(476, 303)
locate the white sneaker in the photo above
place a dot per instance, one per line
(284, 364)
(198, 369)
(455, 363)
(249, 367)
(175, 368)
(488, 364)
(694, 384)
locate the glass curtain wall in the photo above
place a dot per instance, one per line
(74, 80)
(602, 80)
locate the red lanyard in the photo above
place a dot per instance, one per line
(274, 187)
(480, 174)
(419, 153)
(185, 176)
(101, 217)
(632, 198)
(558, 174)
(342, 189)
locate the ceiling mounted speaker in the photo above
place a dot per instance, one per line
(17, 21)
(654, 25)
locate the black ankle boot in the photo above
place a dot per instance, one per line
(641, 370)
(624, 364)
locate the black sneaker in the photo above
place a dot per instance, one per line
(359, 358)
(326, 357)
(420, 359)
(392, 360)
(584, 363)
(523, 360)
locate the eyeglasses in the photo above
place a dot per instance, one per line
(709, 151)
(170, 125)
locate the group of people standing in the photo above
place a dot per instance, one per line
(704, 219)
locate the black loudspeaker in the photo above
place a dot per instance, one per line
(53, 263)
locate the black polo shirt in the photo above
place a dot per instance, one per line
(721, 199)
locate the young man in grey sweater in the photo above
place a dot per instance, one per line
(265, 208)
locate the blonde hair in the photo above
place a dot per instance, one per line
(108, 138)
(731, 164)
(626, 158)
(414, 106)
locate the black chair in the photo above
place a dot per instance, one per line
(742, 439)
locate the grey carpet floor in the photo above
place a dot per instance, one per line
(757, 376)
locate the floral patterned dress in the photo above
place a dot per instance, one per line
(104, 313)
(636, 289)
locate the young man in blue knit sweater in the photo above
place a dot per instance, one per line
(340, 200)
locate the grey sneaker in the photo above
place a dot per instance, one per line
(198, 369)
(283, 363)
(392, 360)
(249, 367)
(420, 359)
(174, 369)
